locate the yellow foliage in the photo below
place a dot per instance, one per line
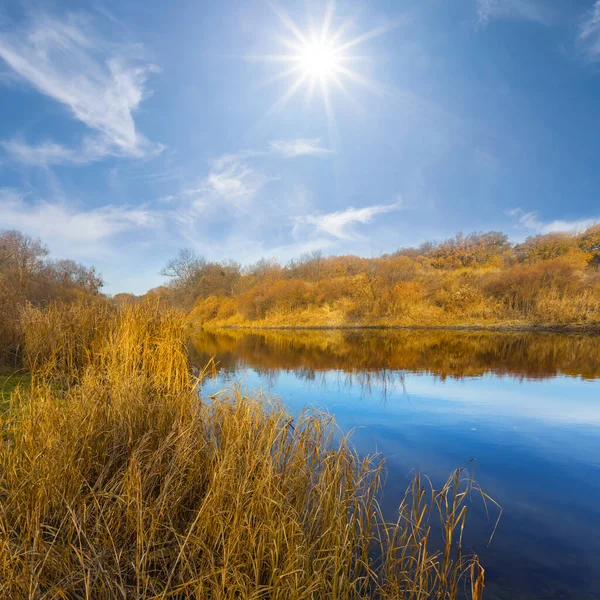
(470, 279)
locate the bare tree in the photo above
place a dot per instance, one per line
(21, 254)
(185, 269)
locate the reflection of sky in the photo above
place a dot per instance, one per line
(537, 446)
(560, 400)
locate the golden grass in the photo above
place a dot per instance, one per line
(116, 481)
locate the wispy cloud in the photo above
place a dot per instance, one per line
(340, 224)
(531, 220)
(589, 32)
(235, 179)
(44, 154)
(299, 147)
(230, 180)
(279, 149)
(523, 10)
(235, 207)
(101, 83)
(48, 153)
(62, 225)
(235, 182)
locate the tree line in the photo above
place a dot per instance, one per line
(29, 276)
(479, 277)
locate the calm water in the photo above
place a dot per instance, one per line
(525, 406)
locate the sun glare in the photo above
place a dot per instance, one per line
(318, 59)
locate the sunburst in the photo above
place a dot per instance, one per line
(319, 58)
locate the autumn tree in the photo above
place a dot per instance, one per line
(21, 258)
(192, 277)
(589, 242)
(125, 298)
(28, 276)
(185, 269)
(308, 267)
(547, 246)
(474, 250)
(71, 274)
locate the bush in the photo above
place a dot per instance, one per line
(520, 287)
(480, 277)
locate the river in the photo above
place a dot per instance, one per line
(525, 406)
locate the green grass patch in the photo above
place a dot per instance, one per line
(8, 383)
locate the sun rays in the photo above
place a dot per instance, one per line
(320, 59)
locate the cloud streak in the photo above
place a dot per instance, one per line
(49, 153)
(42, 155)
(520, 10)
(64, 225)
(531, 220)
(102, 84)
(589, 32)
(299, 147)
(341, 224)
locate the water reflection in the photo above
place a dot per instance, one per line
(441, 353)
(526, 406)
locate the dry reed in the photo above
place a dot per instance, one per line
(117, 481)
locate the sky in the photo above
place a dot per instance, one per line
(130, 129)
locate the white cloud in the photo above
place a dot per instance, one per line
(235, 182)
(230, 182)
(48, 153)
(101, 83)
(340, 224)
(531, 220)
(589, 32)
(65, 226)
(523, 10)
(44, 154)
(299, 147)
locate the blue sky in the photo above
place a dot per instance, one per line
(131, 129)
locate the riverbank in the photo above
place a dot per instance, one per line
(471, 327)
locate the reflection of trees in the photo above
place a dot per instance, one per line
(385, 380)
(270, 375)
(378, 356)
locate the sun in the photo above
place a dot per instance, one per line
(319, 59)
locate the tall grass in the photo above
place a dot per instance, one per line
(117, 481)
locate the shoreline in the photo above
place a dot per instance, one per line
(470, 327)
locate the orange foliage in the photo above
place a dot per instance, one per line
(27, 276)
(479, 278)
